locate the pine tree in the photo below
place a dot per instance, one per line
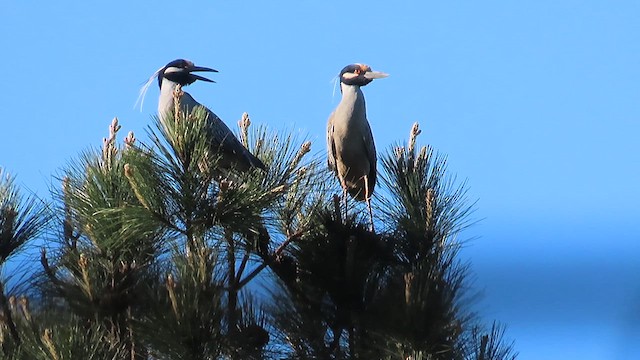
(157, 253)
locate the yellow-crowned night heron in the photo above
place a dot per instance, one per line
(350, 146)
(181, 72)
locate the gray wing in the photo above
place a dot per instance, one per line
(229, 143)
(331, 146)
(221, 134)
(370, 148)
(223, 137)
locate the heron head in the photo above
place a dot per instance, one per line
(181, 71)
(359, 74)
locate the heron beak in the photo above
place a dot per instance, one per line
(200, 68)
(375, 75)
(198, 77)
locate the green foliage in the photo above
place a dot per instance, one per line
(21, 219)
(489, 345)
(184, 320)
(159, 251)
(46, 338)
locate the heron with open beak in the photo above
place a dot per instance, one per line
(223, 141)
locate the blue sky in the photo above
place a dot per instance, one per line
(536, 104)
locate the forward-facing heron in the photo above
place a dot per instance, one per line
(350, 147)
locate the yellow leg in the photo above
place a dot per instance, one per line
(337, 207)
(367, 198)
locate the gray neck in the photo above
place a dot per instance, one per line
(352, 100)
(165, 102)
(351, 92)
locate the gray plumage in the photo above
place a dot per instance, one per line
(223, 141)
(351, 152)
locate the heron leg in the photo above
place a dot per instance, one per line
(344, 197)
(367, 198)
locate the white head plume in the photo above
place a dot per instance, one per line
(335, 81)
(144, 88)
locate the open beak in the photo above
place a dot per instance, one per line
(200, 68)
(375, 75)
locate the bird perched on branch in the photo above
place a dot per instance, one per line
(350, 147)
(223, 141)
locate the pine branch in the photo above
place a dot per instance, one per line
(267, 262)
(232, 297)
(8, 317)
